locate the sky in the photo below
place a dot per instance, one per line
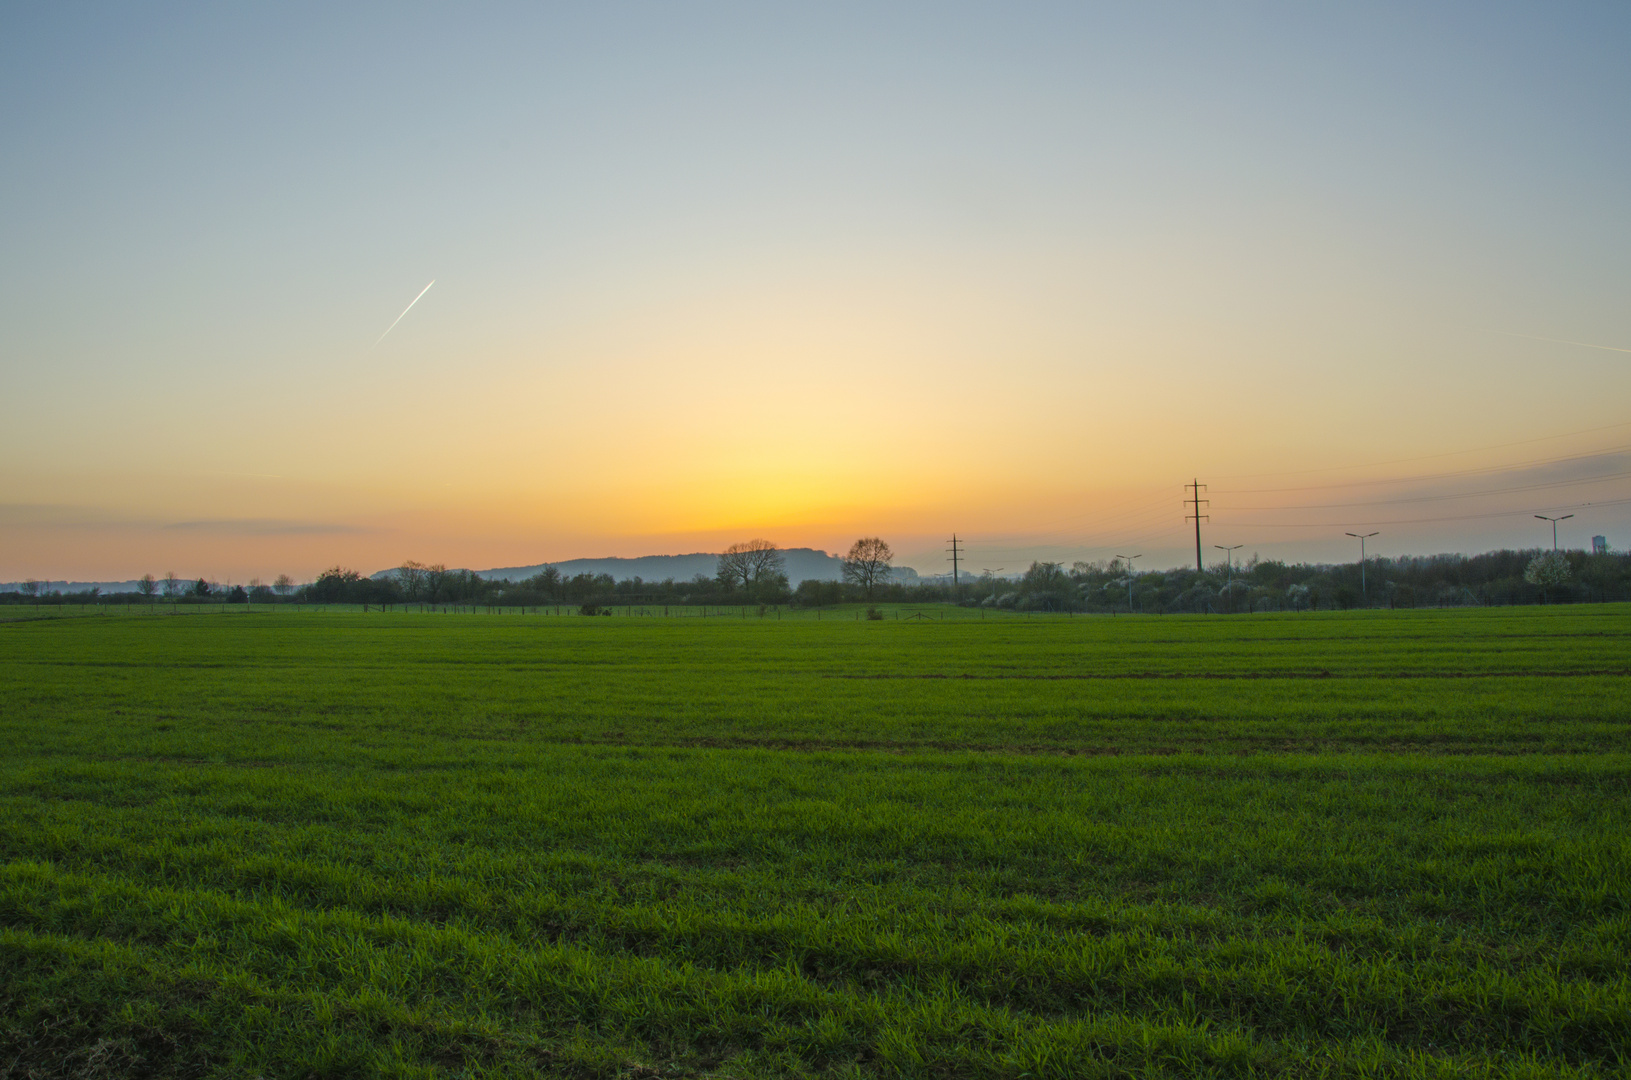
(706, 272)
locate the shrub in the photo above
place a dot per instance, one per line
(1547, 570)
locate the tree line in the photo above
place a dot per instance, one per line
(1263, 585)
(754, 572)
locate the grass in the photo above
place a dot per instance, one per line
(268, 844)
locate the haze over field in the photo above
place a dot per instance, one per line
(710, 272)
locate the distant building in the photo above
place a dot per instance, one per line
(1599, 545)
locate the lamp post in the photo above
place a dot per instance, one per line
(1229, 569)
(1130, 559)
(990, 573)
(1362, 538)
(1554, 522)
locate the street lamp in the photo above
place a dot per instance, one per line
(1554, 522)
(1229, 569)
(1362, 539)
(1130, 559)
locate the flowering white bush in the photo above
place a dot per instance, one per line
(1547, 570)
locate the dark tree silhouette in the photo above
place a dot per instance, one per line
(867, 564)
(742, 566)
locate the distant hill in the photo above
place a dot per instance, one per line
(76, 586)
(803, 564)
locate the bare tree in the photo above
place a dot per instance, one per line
(746, 565)
(172, 584)
(867, 563)
(434, 576)
(283, 585)
(411, 577)
(147, 585)
(31, 587)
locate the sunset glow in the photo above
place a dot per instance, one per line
(710, 273)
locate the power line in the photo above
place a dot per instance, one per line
(1075, 541)
(1432, 457)
(1417, 521)
(1437, 498)
(1143, 508)
(1154, 514)
(1611, 452)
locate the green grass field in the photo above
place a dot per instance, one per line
(335, 844)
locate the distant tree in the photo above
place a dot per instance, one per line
(1547, 570)
(410, 578)
(237, 595)
(746, 565)
(546, 582)
(1046, 587)
(814, 593)
(1234, 595)
(435, 577)
(771, 589)
(147, 586)
(283, 585)
(333, 585)
(172, 584)
(201, 588)
(867, 564)
(31, 587)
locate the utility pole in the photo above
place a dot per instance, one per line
(1362, 539)
(1195, 488)
(1130, 559)
(1554, 522)
(953, 560)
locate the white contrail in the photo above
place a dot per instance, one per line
(1562, 341)
(405, 310)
